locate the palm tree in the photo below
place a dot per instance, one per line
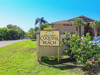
(78, 23)
(95, 24)
(41, 21)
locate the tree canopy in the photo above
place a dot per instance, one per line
(31, 33)
(95, 24)
(12, 32)
(78, 23)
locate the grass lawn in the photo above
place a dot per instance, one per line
(20, 59)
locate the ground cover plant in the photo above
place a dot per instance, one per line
(20, 59)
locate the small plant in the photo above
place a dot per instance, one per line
(91, 66)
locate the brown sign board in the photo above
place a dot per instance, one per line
(49, 38)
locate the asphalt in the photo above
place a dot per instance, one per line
(5, 43)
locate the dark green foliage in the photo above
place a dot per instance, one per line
(81, 50)
(5, 33)
(79, 30)
(65, 42)
(12, 32)
(16, 31)
(1, 37)
(36, 29)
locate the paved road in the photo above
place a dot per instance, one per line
(5, 43)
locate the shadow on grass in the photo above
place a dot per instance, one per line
(33, 39)
(64, 64)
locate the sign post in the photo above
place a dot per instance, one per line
(58, 54)
(50, 38)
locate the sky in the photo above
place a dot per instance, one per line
(24, 12)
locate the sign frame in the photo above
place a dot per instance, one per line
(49, 46)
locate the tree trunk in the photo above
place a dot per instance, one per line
(96, 32)
(76, 29)
(79, 30)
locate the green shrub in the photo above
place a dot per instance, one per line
(81, 50)
(65, 42)
(11, 34)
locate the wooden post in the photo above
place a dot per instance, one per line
(38, 50)
(40, 55)
(37, 47)
(58, 54)
(37, 55)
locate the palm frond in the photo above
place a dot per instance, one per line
(77, 22)
(37, 20)
(43, 21)
(95, 24)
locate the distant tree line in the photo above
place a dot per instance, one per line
(11, 32)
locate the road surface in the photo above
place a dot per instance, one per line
(5, 43)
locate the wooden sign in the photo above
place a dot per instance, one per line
(49, 38)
